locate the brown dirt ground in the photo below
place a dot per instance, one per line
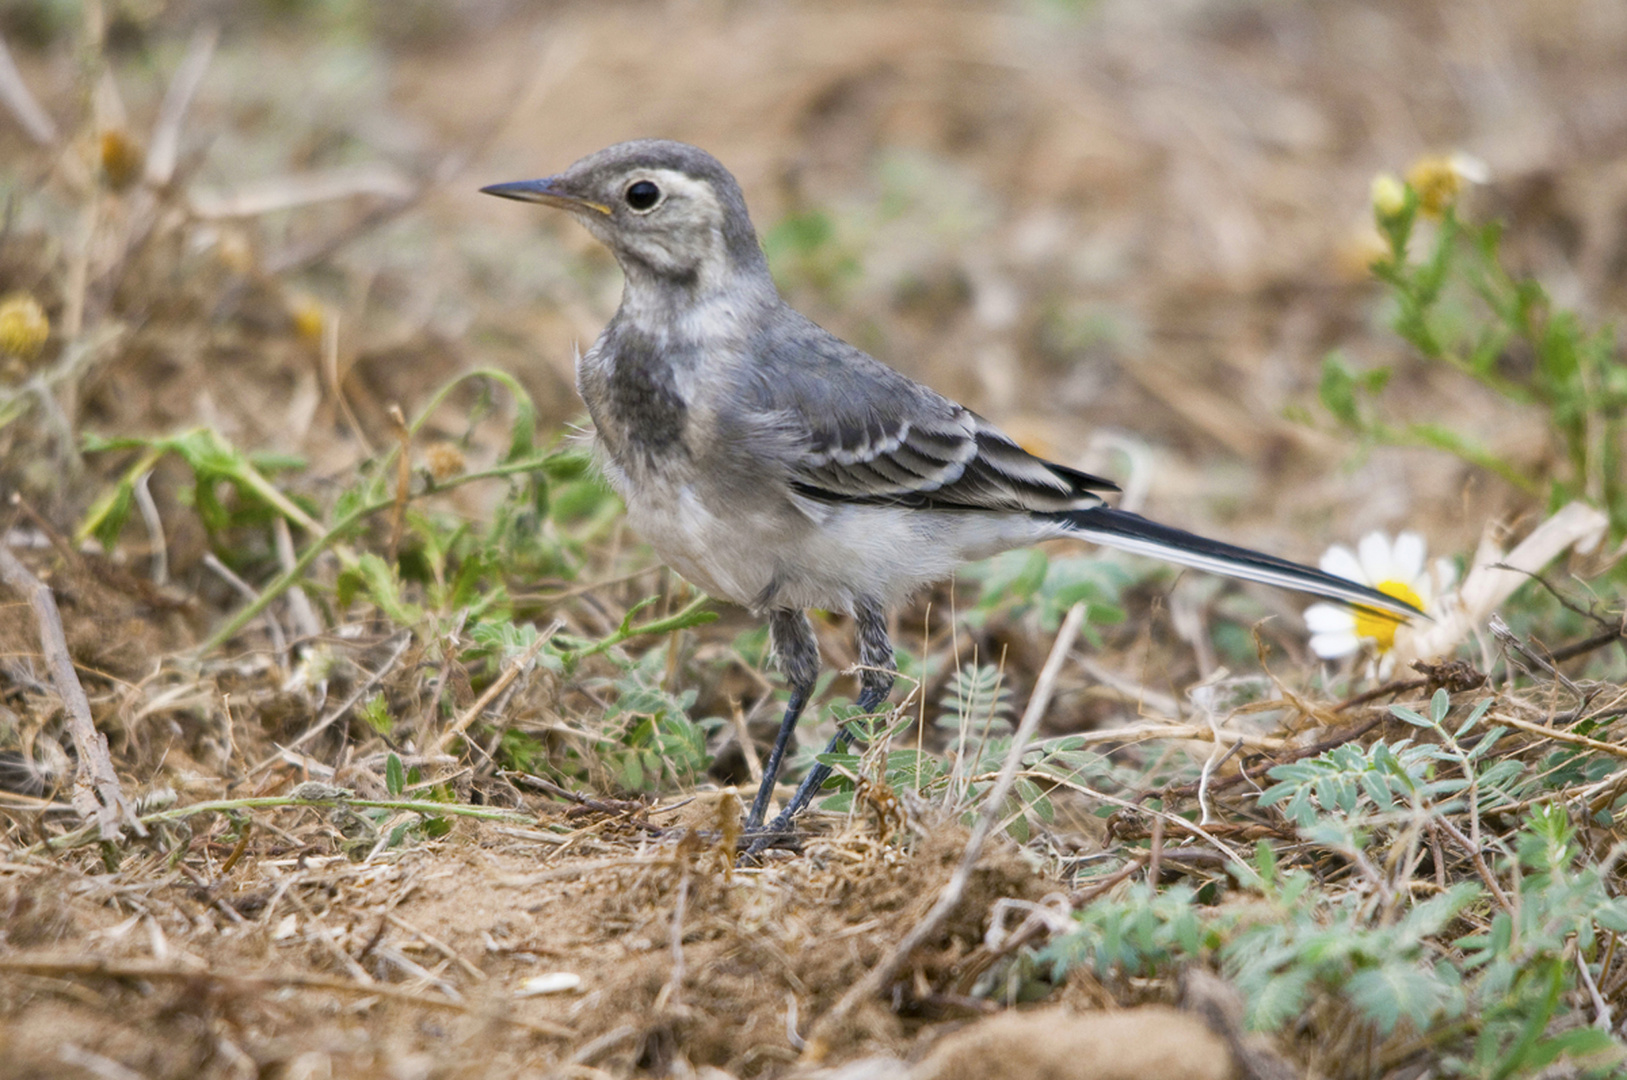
(1120, 218)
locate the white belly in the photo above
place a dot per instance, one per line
(731, 558)
(799, 553)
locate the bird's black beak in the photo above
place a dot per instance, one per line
(546, 191)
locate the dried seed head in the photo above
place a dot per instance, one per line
(235, 252)
(24, 327)
(308, 315)
(121, 158)
(444, 460)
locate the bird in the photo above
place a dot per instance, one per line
(776, 466)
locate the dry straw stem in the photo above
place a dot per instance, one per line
(308, 794)
(163, 149)
(96, 792)
(93, 967)
(14, 93)
(1173, 729)
(993, 802)
(1558, 735)
(498, 685)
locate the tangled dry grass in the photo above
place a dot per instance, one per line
(416, 797)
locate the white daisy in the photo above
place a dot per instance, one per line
(1396, 570)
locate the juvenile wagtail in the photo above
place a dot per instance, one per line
(776, 466)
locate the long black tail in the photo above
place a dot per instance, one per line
(1132, 532)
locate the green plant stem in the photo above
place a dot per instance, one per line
(677, 621)
(253, 479)
(288, 577)
(1424, 436)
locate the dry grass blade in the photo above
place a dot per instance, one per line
(16, 96)
(499, 684)
(1558, 735)
(162, 151)
(292, 192)
(344, 707)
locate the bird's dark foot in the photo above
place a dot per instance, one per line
(774, 836)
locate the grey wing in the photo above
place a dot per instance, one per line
(867, 434)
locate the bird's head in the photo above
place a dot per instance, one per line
(671, 213)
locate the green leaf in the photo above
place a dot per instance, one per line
(1578, 1042)
(383, 587)
(375, 713)
(1280, 999)
(839, 803)
(107, 515)
(1338, 391)
(395, 777)
(1385, 994)
(1401, 712)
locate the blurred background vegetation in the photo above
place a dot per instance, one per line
(285, 404)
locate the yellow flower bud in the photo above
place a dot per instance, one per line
(23, 326)
(1389, 196)
(122, 158)
(308, 316)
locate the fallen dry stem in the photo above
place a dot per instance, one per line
(1560, 735)
(433, 809)
(94, 968)
(96, 792)
(1175, 730)
(994, 801)
(1173, 819)
(1473, 851)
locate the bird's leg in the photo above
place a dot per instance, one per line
(875, 683)
(797, 650)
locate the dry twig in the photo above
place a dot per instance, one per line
(96, 792)
(499, 684)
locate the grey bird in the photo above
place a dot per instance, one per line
(776, 466)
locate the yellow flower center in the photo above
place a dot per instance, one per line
(1437, 182)
(1380, 625)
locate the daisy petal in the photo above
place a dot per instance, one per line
(1408, 558)
(1340, 561)
(1333, 646)
(1328, 619)
(1377, 561)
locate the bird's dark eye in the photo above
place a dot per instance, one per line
(641, 195)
